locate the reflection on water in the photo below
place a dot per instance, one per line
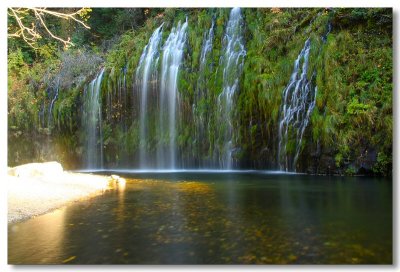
(216, 218)
(47, 231)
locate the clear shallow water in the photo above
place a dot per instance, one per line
(216, 218)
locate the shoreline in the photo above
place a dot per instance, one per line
(39, 188)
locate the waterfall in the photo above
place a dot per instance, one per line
(206, 47)
(171, 61)
(145, 74)
(200, 113)
(232, 63)
(50, 113)
(298, 103)
(92, 123)
(328, 30)
(122, 95)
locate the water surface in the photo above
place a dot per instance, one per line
(216, 218)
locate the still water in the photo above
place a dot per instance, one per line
(216, 218)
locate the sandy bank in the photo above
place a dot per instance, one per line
(37, 188)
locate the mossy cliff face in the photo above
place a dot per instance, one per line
(349, 129)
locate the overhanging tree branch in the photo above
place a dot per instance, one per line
(30, 34)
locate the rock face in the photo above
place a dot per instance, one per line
(36, 170)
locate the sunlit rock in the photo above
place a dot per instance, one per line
(114, 177)
(37, 188)
(121, 181)
(36, 169)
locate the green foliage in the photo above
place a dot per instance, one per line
(351, 171)
(338, 159)
(354, 107)
(106, 23)
(383, 165)
(16, 63)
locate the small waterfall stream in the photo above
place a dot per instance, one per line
(50, 113)
(297, 105)
(171, 61)
(145, 74)
(206, 47)
(298, 102)
(92, 119)
(200, 113)
(232, 62)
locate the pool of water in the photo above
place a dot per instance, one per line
(216, 218)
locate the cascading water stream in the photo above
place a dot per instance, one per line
(297, 105)
(201, 114)
(92, 119)
(232, 62)
(171, 61)
(206, 47)
(122, 95)
(299, 98)
(145, 74)
(324, 38)
(50, 113)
